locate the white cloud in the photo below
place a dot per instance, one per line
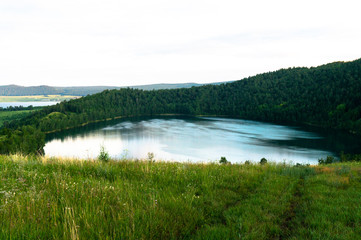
(78, 42)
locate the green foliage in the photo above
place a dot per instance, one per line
(223, 160)
(103, 155)
(6, 116)
(18, 108)
(350, 157)
(328, 160)
(26, 140)
(53, 199)
(263, 161)
(150, 157)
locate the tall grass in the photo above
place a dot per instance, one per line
(55, 198)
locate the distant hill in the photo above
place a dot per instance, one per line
(88, 90)
(15, 90)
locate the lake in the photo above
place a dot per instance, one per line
(26, 104)
(200, 139)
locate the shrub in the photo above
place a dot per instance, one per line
(263, 161)
(151, 157)
(223, 160)
(328, 160)
(103, 155)
(350, 157)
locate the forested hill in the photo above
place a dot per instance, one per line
(15, 90)
(327, 96)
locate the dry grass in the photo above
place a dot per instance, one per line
(36, 98)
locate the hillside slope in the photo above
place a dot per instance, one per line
(55, 199)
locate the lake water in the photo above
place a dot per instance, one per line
(26, 104)
(200, 140)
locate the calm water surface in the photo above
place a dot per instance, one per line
(26, 104)
(200, 139)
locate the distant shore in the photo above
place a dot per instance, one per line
(37, 98)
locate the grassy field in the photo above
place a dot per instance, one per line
(13, 115)
(40, 98)
(44, 198)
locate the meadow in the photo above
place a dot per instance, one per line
(52, 198)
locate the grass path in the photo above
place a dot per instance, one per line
(289, 224)
(331, 206)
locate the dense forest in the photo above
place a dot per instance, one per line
(327, 96)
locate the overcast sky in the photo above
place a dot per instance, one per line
(120, 43)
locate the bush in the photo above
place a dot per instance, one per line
(350, 157)
(263, 161)
(328, 160)
(103, 155)
(151, 157)
(223, 160)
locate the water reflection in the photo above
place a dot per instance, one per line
(200, 139)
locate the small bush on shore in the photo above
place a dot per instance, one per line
(103, 155)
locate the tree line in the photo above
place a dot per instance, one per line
(18, 108)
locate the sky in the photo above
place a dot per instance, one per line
(124, 43)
